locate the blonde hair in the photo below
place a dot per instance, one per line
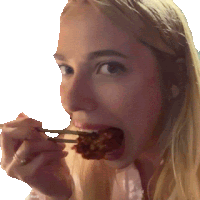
(170, 38)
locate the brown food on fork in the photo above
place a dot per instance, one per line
(96, 145)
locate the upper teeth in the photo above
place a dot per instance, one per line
(86, 130)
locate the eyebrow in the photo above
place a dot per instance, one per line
(93, 55)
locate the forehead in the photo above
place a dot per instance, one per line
(84, 30)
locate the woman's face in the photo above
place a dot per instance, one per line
(125, 93)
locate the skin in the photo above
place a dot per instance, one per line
(90, 93)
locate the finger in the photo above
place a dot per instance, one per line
(21, 129)
(23, 133)
(28, 171)
(30, 148)
(22, 115)
(12, 139)
(24, 128)
(45, 159)
(23, 122)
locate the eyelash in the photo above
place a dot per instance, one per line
(121, 68)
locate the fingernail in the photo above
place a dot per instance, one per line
(22, 115)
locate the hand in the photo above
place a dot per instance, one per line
(45, 169)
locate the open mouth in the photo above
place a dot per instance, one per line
(100, 144)
(116, 153)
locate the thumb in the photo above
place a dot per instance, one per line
(22, 115)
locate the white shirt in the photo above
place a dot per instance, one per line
(127, 185)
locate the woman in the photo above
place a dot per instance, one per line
(125, 64)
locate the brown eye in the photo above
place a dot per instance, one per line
(111, 68)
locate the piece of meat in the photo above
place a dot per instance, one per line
(96, 145)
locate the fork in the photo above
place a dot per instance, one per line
(64, 131)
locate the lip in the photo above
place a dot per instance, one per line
(90, 126)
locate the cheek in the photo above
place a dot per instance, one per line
(61, 89)
(154, 97)
(62, 93)
(154, 90)
(141, 106)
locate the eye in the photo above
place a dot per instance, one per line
(112, 68)
(65, 69)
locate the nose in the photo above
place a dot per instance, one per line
(77, 95)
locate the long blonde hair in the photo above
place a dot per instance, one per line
(163, 28)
